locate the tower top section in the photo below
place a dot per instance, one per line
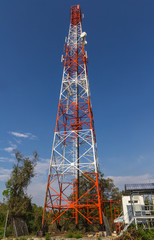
(75, 15)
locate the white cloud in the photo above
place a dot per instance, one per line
(43, 166)
(6, 159)
(37, 190)
(12, 154)
(19, 141)
(13, 160)
(31, 136)
(4, 174)
(11, 148)
(4, 177)
(122, 180)
(16, 134)
(3, 159)
(23, 135)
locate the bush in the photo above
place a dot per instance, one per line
(151, 233)
(78, 235)
(9, 231)
(1, 232)
(140, 234)
(47, 236)
(70, 235)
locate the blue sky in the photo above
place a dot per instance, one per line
(120, 36)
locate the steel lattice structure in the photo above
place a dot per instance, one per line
(74, 160)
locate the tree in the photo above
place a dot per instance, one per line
(18, 202)
(3, 211)
(110, 191)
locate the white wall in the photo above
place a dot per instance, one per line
(138, 201)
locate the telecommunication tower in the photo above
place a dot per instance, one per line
(73, 184)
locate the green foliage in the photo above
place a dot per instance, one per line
(78, 235)
(110, 191)
(3, 211)
(146, 234)
(16, 199)
(70, 235)
(34, 218)
(1, 232)
(140, 234)
(9, 231)
(15, 194)
(47, 236)
(23, 238)
(19, 203)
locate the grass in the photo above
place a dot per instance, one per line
(78, 235)
(70, 235)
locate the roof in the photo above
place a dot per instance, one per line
(144, 188)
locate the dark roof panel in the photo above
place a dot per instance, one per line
(139, 188)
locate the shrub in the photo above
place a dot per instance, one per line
(140, 234)
(78, 235)
(1, 232)
(70, 235)
(47, 236)
(23, 238)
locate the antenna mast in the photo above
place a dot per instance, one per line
(73, 184)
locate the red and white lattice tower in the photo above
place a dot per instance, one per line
(73, 184)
